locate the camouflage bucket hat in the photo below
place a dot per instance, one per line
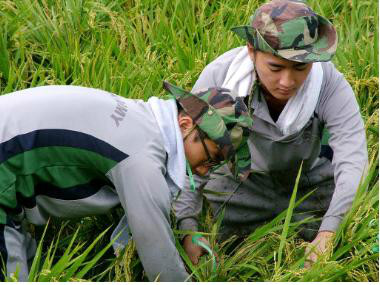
(291, 30)
(224, 118)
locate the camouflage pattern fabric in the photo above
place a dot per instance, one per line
(224, 119)
(291, 30)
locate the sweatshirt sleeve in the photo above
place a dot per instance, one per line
(188, 206)
(340, 112)
(144, 194)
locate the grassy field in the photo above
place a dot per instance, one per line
(129, 47)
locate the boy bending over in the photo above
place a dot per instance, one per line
(71, 152)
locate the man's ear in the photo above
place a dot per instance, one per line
(185, 123)
(251, 51)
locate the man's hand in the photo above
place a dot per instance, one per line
(194, 251)
(322, 243)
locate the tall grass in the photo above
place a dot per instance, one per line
(128, 47)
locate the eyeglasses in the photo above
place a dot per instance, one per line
(210, 162)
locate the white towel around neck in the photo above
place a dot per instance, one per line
(166, 114)
(299, 108)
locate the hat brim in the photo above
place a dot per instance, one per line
(191, 104)
(323, 49)
(176, 91)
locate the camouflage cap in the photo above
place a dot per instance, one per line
(291, 30)
(224, 118)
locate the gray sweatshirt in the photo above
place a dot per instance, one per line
(273, 153)
(70, 151)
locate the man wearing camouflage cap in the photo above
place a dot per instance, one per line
(70, 152)
(295, 95)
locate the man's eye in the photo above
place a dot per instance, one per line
(301, 68)
(274, 69)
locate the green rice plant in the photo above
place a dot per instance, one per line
(126, 267)
(129, 48)
(287, 220)
(257, 258)
(73, 265)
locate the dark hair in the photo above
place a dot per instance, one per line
(179, 108)
(182, 112)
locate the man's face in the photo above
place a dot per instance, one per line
(281, 77)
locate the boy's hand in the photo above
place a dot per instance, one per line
(320, 245)
(194, 251)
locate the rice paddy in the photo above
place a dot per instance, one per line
(129, 47)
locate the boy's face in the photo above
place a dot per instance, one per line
(196, 154)
(281, 77)
(195, 150)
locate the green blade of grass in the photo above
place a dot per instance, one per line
(289, 214)
(37, 258)
(79, 261)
